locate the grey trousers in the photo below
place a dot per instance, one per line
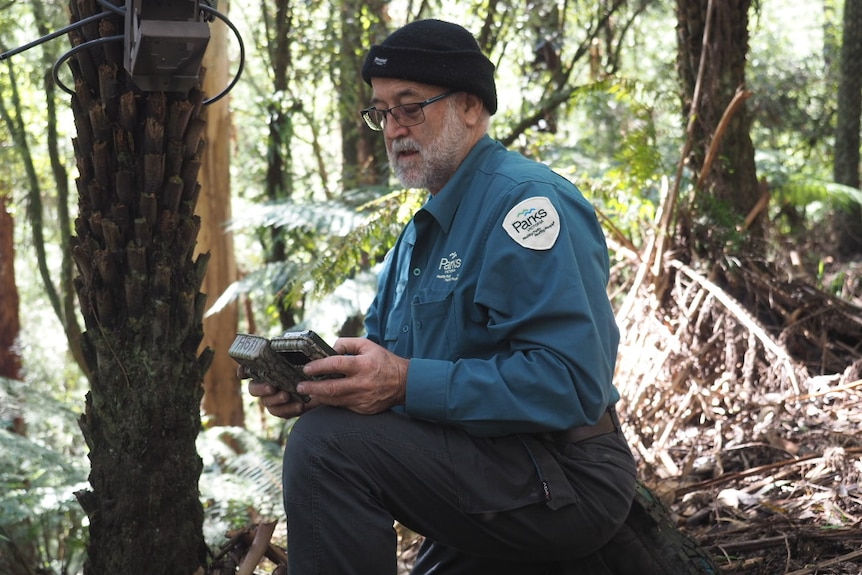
(514, 504)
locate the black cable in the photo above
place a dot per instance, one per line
(115, 9)
(55, 34)
(229, 24)
(203, 5)
(55, 71)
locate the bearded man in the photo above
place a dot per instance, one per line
(478, 410)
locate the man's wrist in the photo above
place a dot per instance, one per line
(402, 377)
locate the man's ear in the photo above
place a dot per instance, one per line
(473, 108)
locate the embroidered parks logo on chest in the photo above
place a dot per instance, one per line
(448, 268)
(533, 223)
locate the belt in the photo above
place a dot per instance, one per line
(607, 423)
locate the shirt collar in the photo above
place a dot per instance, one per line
(444, 204)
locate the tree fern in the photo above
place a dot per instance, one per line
(241, 480)
(38, 479)
(330, 243)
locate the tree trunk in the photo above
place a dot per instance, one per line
(138, 158)
(10, 319)
(848, 223)
(363, 152)
(728, 188)
(279, 157)
(222, 401)
(18, 548)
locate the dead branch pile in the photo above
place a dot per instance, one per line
(741, 399)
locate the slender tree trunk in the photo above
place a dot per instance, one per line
(222, 401)
(848, 223)
(138, 159)
(363, 152)
(279, 158)
(63, 299)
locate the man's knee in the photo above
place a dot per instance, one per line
(324, 440)
(310, 435)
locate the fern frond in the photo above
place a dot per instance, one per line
(241, 479)
(341, 244)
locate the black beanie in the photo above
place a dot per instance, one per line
(434, 52)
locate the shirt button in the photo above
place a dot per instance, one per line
(405, 328)
(418, 325)
(416, 271)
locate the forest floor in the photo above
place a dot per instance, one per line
(746, 422)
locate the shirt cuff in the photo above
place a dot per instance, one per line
(427, 386)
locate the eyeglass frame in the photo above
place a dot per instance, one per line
(380, 126)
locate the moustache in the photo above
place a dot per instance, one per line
(399, 146)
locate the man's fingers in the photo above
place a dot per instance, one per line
(352, 345)
(260, 389)
(328, 388)
(291, 409)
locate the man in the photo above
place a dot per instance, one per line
(478, 411)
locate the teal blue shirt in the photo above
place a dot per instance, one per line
(496, 292)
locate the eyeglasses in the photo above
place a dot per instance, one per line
(405, 115)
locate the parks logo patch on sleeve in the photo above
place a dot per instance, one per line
(533, 223)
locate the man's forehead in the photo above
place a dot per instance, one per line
(385, 89)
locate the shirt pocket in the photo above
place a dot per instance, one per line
(434, 325)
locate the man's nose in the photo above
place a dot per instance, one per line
(392, 129)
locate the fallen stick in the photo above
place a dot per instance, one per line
(754, 544)
(846, 387)
(816, 567)
(258, 548)
(728, 477)
(734, 307)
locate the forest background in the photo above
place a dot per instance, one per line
(297, 209)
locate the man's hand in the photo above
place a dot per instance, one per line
(374, 379)
(277, 402)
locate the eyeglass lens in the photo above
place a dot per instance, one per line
(405, 115)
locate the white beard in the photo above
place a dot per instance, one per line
(434, 163)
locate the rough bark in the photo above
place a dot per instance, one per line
(729, 188)
(848, 223)
(138, 159)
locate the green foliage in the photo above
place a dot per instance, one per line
(819, 197)
(717, 228)
(624, 182)
(328, 243)
(365, 244)
(241, 480)
(794, 89)
(41, 524)
(792, 71)
(802, 192)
